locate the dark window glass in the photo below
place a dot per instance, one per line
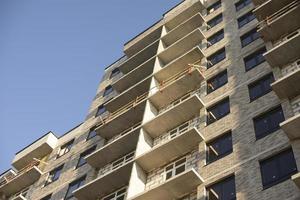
(278, 168)
(65, 148)
(216, 58)
(91, 134)
(254, 59)
(217, 81)
(100, 110)
(218, 111)
(114, 72)
(268, 122)
(241, 4)
(219, 147)
(73, 186)
(81, 160)
(213, 7)
(48, 197)
(54, 175)
(245, 19)
(215, 38)
(107, 90)
(249, 37)
(260, 87)
(223, 190)
(215, 21)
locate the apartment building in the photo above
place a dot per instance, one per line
(204, 105)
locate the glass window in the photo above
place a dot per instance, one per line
(175, 168)
(81, 160)
(268, 122)
(241, 4)
(117, 195)
(278, 168)
(217, 81)
(215, 38)
(213, 7)
(114, 72)
(219, 147)
(216, 58)
(65, 148)
(91, 134)
(48, 197)
(73, 186)
(218, 111)
(245, 19)
(254, 59)
(108, 90)
(101, 110)
(223, 190)
(215, 21)
(260, 87)
(54, 175)
(249, 37)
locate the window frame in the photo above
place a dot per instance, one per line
(213, 7)
(256, 55)
(107, 91)
(214, 21)
(78, 183)
(215, 38)
(216, 78)
(252, 34)
(173, 166)
(115, 195)
(221, 183)
(84, 154)
(245, 19)
(114, 72)
(216, 57)
(90, 136)
(261, 84)
(216, 106)
(64, 148)
(98, 113)
(241, 4)
(52, 174)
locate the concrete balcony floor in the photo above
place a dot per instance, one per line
(19, 197)
(291, 127)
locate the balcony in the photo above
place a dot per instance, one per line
(291, 126)
(179, 111)
(18, 197)
(123, 143)
(285, 50)
(296, 179)
(174, 188)
(38, 149)
(258, 2)
(181, 46)
(284, 87)
(176, 86)
(268, 7)
(183, 29)
(110, 178)
(13, 182)
(282, 22)
(174, 143)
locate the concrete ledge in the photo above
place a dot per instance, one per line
(291, 127)
(296, 179)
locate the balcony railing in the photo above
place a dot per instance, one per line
(295, 103)
(123, 133)
(290, 68)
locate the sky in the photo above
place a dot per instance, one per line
(52, 57)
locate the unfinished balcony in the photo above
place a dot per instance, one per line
(183, 29)
(296, 179)
(281, 22)
(12, 182)
(176, 86)
(173, 188)
(285, 87)
(174, 114)
(176, 142)
(181, 46)
(110, 178)
(124, 142)
(285, 50)
(291, 125)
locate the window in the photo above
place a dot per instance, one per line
(117, 195)
(101, 110)
(268, 122)
(278, 168)
(73, 186)
(114, 72)
(245, 19)
(91, 134)
(108, 90)
(215, 21)
(217, 81)
(65, 148)
(249, 37)
(214, 7)
(175, 168)
(215, 38)
(54, 175)
(218, 111)
(241, 4)
(219, 148)
(223, 190)
(216, 58)
(48, 197)
(81, 160)
(254, 59)
(260, 87)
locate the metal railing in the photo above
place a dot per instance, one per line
(290, 68)
(295, 103)
(286, 37)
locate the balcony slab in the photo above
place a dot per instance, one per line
(291, 127)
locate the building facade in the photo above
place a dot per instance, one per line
(205, 104)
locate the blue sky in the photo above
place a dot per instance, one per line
(52, 55)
